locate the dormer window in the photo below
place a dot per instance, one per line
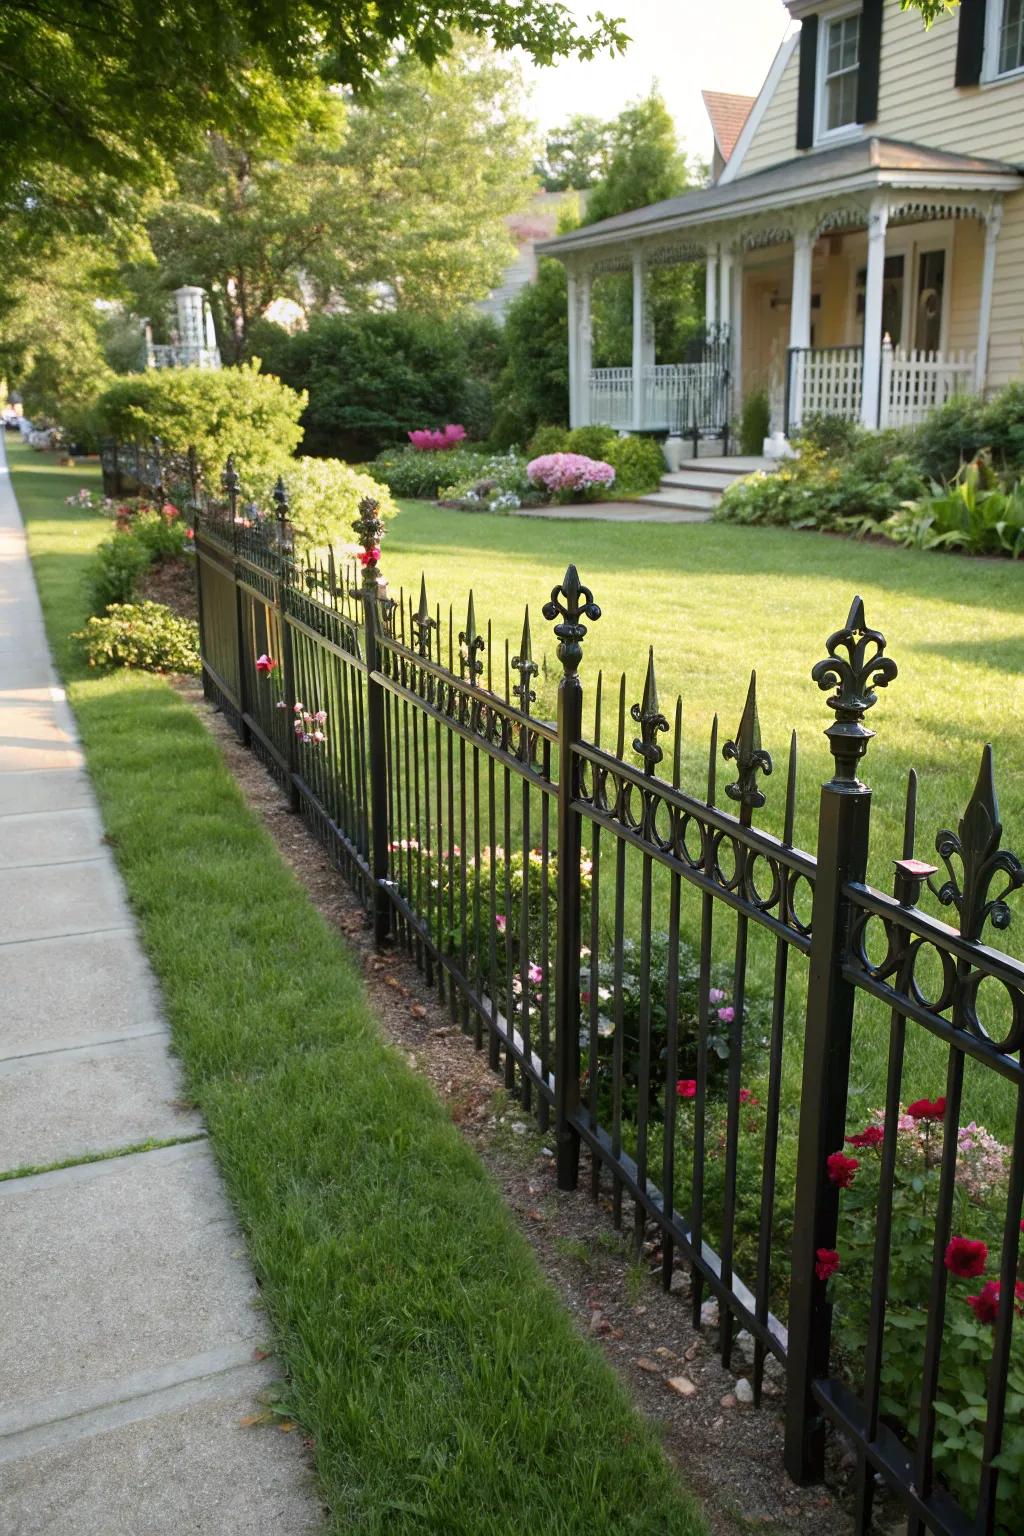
(840, 71)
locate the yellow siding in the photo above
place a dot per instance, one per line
(918, 102)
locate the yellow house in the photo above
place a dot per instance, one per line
(864, 240)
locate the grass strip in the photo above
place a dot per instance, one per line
(444, 1385)
(154, 1144)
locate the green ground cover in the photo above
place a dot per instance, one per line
(443, 1384)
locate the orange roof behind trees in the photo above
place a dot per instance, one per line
(728, 113)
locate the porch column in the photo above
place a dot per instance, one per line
(736, 343)
(725, 304)
(574, 350)
(639, 340)
(586, 346)
(870, 395)
(711, 287)
(800, 308)
(993, 223)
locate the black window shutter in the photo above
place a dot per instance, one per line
(970, 45)
(870, 60)
(808, 82)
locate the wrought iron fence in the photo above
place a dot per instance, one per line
(149, 469)
(590, 922)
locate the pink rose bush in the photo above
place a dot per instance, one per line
(570, 476)
(429, 440)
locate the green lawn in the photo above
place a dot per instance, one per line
(443, 1384)
(716, 601)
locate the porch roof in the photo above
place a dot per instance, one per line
(863, 166)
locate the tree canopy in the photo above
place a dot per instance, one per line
(396, 201)
(100, 95)
(576, 155)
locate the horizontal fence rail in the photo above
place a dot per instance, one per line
(604, 932)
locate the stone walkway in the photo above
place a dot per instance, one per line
(129, 1338)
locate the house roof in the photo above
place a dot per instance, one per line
(728, 113)
(862, 165)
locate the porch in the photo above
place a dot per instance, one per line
(856, 282)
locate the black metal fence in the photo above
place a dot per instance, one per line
(593, 925)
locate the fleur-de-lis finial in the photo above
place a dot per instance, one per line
(470, 644)
(750, 757)
(423, 623)
(649, 718)
(570, 602)
(855, 676)
(976, 846)
(527, 668)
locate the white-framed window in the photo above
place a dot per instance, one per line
(838, 73)
(1004, 38)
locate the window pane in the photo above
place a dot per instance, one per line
(842, 100)
(849, 30)
(1011, 38)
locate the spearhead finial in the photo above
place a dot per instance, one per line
(855, 676)
(423, 622)
(470, 644)
(649, 718)
(748, 755)
(975, 845)
(231, 483)
(570, 602)
(527, 668)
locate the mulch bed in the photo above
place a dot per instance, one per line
(729, 1454)
(172, 582)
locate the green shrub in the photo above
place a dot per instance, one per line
(949, 437)
(591, 442)
(638, 463)
(548, 440)
(1003, 429)
(371, 379)
(822, 490)
(219, 411)
(755, 420)
(120, 561)
(832, 434)
(324, 497)
(143, 635)
(407, 472)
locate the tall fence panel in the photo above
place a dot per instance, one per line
(628, 951)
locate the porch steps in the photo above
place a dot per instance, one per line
(697, 486)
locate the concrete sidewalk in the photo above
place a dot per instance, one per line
(129, 1331)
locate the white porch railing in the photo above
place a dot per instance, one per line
(610, 397)
(825, 381)
(181, 355)
(828, 381)
(914, 383)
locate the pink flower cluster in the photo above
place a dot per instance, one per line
(309, 725)
(427, 440)
(558, 472)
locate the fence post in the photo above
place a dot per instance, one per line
(284, 557)
(232, 486)
(569, 603)
(369, 529)
(855, 666)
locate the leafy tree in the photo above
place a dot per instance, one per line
(397, 201)
(645, 166)
(99, 95)
(575, 155)
(534, 387)
(931, 10)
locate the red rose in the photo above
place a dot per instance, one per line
(687, 1087)
(841, 1169)
(747, 1096)
(870, 1136)
(927, 1109)
(828, 1263)
(265, 663)
(966, 1258)
(985, 1305)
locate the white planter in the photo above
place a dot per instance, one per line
(672, 452)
